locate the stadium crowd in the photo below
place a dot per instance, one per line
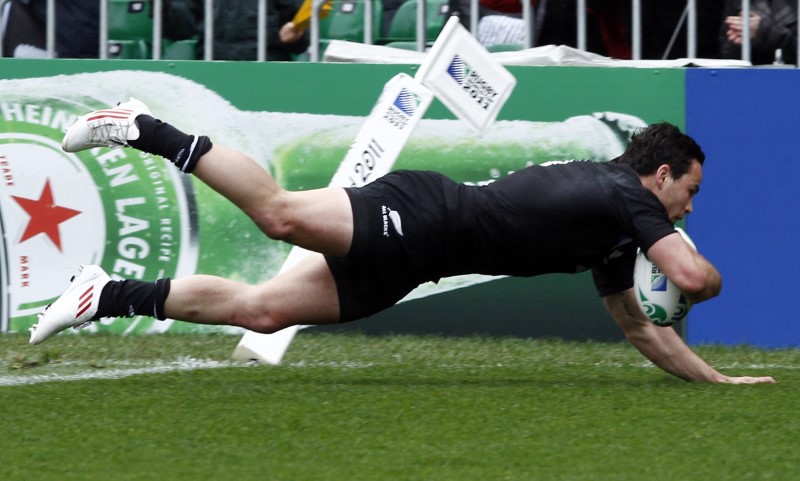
(720, 27)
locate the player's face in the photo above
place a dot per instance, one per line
(677, 195)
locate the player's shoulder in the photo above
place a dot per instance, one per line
(621, 175)
(578, 174)
(615, 172)
(586, 165)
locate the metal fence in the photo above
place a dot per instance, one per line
(528, 13)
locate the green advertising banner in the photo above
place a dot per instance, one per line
(136, 216)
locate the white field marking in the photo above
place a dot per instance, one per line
(735, 365)
(744, 365)
(343, 364)
(156, 368)
(183, 365)
(196, 364)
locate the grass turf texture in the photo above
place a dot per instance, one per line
(348, 407)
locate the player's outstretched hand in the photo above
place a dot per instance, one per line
(749, 380)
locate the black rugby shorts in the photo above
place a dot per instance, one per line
(398, 222)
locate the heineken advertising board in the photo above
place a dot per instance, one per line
(136, 216)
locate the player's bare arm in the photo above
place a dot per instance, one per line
(664, 347)
(692, 273)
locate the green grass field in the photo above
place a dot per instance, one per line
(349, 407)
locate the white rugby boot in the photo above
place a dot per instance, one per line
(75, 308)
(112, 127)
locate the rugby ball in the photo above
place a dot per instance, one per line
(658, 298)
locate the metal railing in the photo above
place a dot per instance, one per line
(528, 16)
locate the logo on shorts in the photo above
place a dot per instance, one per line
(394, 217)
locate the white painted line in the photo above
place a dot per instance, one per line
(154, 368)
(195, 364)
(186, 365)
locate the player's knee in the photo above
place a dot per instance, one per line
(275, 228)
(260, 322)
(256, 314)
(274, 218)
(264, 326)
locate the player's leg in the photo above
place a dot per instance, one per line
(319, 220)
(304, 294)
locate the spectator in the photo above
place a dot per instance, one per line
(555, 24)
(182, 19)
(664, 29)
(77, 29)
(390, 7)
(236, 28)
(773, 27)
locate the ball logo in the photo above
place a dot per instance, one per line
(112, 207)
(657, 297)
(656, 313)
(681, 310)
(658, 280)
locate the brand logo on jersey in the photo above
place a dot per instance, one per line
(472, 82)
(616, 253)
(623, 239)
(402, 109)
(393, 217)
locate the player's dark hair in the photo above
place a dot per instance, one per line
(658, 144)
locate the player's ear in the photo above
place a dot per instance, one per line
(663, 172)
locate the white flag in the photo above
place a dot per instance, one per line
(465, 77)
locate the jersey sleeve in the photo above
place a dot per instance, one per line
(646, 218)
(615, 274)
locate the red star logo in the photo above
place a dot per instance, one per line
(45, 215)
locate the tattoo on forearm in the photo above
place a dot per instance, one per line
(628, 309)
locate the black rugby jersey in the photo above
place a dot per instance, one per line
(562, 217)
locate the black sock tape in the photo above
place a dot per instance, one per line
(162, 291)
